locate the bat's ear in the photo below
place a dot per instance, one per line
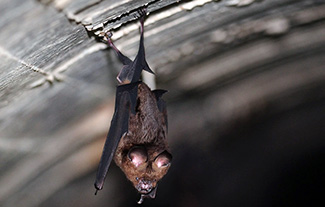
(152, 194)
(163, 159)
(138, 155)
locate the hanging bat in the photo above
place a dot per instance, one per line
(137, 136)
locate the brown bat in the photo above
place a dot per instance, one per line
(137, 135)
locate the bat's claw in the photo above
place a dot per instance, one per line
(143, 13)
(108, 35)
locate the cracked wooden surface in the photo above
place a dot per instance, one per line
(223, 62)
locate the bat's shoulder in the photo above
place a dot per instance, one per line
(143, 86)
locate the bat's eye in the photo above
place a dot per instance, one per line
(138, 155)
(163, 160)
(137, 178)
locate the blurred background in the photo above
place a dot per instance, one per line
(246, 100)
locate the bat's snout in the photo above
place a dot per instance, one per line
(144, 186)
(151, 194)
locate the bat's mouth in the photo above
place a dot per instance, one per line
(145, 187)
(151, 194)
(145, 190)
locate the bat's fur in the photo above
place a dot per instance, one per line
(148, 130)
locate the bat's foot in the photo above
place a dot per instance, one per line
(108, 35)
(48, 78)
(142, 12)
(105, 35)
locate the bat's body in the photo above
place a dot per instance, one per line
(137, 136)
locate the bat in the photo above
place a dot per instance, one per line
(137, 138)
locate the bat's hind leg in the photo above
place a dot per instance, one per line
(125, 60)
(143, 13)
(131, 70)
(141, 56)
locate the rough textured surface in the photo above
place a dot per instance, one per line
(246, 100)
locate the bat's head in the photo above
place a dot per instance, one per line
(145, 167)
